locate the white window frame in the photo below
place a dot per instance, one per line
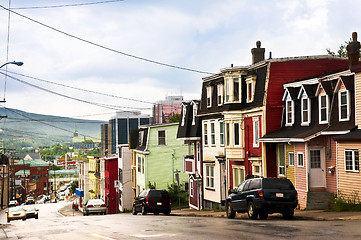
(320, 109)
(205, 134)
(165, 137)
(221, 133)
(143, 164)
(256, 132)
(250, 95)
(239, 89)
(354, 167)
(213, 133)
(298, 159)
(289, 122)
(347, 105)
(220, 94)
(289, 159)
(303, 122)
(239, 169)
(209, 176)
(239, 134)
(195, 110)
(191, 188)
(281, 167)
(184, 112)
(228, 90)
(209, 96)
(227, 133)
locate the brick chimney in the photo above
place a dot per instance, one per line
(257, 53)
(353, 51)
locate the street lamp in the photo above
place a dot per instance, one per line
(16, 63)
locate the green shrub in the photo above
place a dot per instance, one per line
(347, 202)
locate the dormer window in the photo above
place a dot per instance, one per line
(194, 114)
(306, 111)
(220, 94)
(323, 108)
(250, 82)
(236, 89)
(232, 90)
(209, 96)
(289, 112)
(184, 112)
(343, 105)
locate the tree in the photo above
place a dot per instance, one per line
(341, 52)
(175, 118)
(73, 186)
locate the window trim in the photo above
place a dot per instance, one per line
(303, 122)
(289, 159)
(213, 133)
(320, 109)
(165, 137)
(191, 188)
(298, 159)
(279, 160)
(184, 112)
(289, 100)
(205, 134)
(256, 137)
(220, 94)
(221, 133)
(238, 168)
(237, 79)
(234, 134)
(347, 105)
(250, 82)
(209, 177)
(195, 110)
(209, 96)
(353, 159)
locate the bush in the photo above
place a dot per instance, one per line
(178, 195)
(347, 202)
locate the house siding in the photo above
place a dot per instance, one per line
(290, 170)
(349, 183)
(301, 176)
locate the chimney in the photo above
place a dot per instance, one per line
(353, 51)
(257, 53)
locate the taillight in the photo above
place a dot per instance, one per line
(147, 201)
(89, 206)
(103, 205)
(170, 201)
(260, 194)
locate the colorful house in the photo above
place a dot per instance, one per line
(110, 176)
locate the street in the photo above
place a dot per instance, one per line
(52, 225)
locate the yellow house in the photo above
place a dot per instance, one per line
(94, 177)
(286, 161)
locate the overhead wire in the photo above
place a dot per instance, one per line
(7, 49)
(107, 48)
(67, 5)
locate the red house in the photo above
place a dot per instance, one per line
(111, 175)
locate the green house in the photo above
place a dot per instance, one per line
(159, 157)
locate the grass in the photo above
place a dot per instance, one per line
(344, 202)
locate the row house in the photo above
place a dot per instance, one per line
(240, 105)
(83, 182)
(110, 178)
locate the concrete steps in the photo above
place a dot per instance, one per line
(317, 200)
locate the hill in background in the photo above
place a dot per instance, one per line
(22, 129)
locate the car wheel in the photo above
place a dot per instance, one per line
(24, 219)
(84, 213)
(134, 211)
(144, 212)
(156, 213)
(252, 212)
(104, 213)
(263, 215)
(8, 220)
(229, 211)
(167, 213)
(36, 217)
(288, 214)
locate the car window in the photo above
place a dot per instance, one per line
(143, 194)
(246, 185)
(240, 187)
(255, 184)
(277, 183)
(158, 194)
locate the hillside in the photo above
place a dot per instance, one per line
(31, 130)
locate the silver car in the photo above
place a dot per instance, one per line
(94, 206)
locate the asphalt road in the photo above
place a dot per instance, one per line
(52, 225)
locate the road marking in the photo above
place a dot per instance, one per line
(153, 236)
(98, 235)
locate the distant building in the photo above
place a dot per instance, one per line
(164, 109)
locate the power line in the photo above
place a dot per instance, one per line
(68, 5)
(113, 107)
(107, 48)
(80, 89)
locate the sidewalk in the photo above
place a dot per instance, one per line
(319, 215)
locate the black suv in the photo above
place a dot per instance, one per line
(263, 196)
(152, 200)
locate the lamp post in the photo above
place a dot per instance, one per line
(15, 63)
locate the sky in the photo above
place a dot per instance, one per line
(91, 60)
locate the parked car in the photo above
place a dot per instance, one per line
(263, 196)
(15, 213)
(94, 206)
(152, 200)
(30, 200)
(31, 212)
(13, 203)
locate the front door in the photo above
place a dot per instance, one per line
(317, 169)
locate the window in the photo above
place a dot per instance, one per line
(143, 164)
(228, 90)
(209, 96)
(281, 160)
(255, 132)
(227, 134)
(236, 90)
(315, 158)
(300, 159)
(139, 163)
(191, 189)
(205, 134)
(236, 134)
(220, 94)
(162, 137)
(251, 81)
(209, 176)
(291, 159)
(238, 175)
(213, 134)
(323, 108)
(184, 112)
(257, 170)
(194, 114)
(140, 139)
(352, 160)
(221, 133)
(343, 105)
(289, 112)
(305, 115)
